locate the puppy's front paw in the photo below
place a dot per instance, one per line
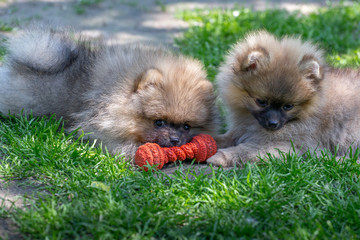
(220, 159)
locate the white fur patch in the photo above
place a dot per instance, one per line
(39, 50)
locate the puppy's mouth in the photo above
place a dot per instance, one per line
(170, 141)
(270, 124)
(270, 119)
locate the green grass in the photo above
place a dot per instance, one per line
(161, 4)
(3, 28)
(81, 5)
(2, 50)
(95, 195)
(90, 194)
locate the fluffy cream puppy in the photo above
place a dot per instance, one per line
(123, 95)
(279, 92)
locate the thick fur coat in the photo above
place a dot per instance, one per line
(123, 95)
(279, 92)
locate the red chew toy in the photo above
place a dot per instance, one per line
(201, 148)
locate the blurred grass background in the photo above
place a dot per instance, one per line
(335, 28)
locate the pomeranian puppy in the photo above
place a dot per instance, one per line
(124, 96)
(279, 92)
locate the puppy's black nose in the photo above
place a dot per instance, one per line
(174, 140)
(273, 123)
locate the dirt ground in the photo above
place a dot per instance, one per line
(116, 21)
(127, 20)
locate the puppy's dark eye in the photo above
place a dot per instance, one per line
(160, 123)
(261, 103)
(288, 107)
(186, 127)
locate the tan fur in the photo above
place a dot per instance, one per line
(178, 93)
(113, 92)
(326, 110)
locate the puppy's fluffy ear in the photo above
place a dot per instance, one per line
(310, 68)
(151, 76)
(252, 61)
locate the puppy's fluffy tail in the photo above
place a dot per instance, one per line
(44, 71)
(41, 50)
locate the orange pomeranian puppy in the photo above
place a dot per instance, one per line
(124, 95)
(279, 92)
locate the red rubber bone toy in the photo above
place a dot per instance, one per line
(201, 147)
